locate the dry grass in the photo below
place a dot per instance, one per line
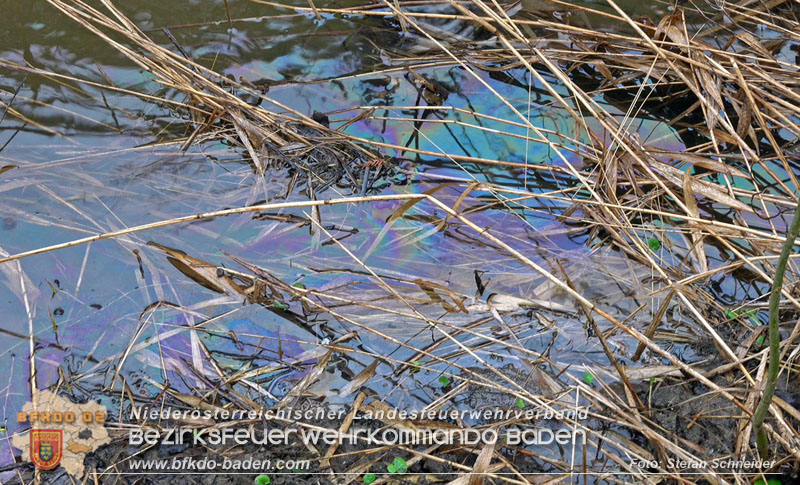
(728, 216)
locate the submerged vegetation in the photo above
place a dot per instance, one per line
(530, 206)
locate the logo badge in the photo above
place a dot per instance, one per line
(46, 447)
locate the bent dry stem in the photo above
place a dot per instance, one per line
(774, 338)
(628, 208)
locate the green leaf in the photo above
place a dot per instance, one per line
(391, 468)
(279, 305)
(730, 314)
(520, 403)
(299, 285)
(263, 480)
(654, 244)
(771, 481)
(588, 378)
(369, 478)
(759, 342)
(415, 366)
(400, 464)
(444, 381)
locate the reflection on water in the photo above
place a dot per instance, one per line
(84, 161)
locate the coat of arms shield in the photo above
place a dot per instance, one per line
(46, 448)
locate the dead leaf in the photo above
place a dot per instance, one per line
(429, 287)
(699, 161)
(706, 189)
(359, 380)
(201, 272)
(698, 248)
(6, 168)
(310, 378)
(481, 465)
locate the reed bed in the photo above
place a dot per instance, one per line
(716, 210)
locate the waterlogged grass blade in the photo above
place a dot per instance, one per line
(359, 380)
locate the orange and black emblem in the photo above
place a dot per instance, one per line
(46, 448)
